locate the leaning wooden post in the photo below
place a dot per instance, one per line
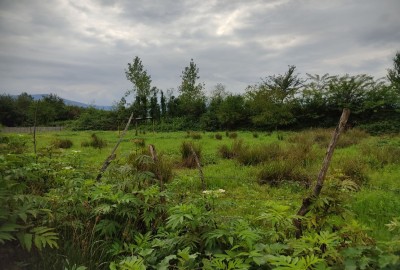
(307, 202)
(112, 155)
(203, 184)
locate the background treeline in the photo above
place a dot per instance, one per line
(284, 101)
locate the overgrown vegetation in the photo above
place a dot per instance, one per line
(54, 215)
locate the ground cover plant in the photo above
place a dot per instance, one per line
(152, 213)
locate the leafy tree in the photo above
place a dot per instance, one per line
(209, 119)
(232, 112)
(141, 86)
(271, 102)
(282, 87)
(163, 102)
(192, 98)
(24, 106)
(154, 106)
(349, 91)
(394, 73)
(8, 110)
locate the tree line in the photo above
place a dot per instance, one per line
(283, 101)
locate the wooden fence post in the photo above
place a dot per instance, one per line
(307, 202)
(112, 155)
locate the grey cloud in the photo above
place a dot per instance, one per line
(80, 49)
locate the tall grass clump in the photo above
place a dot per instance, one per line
(227, 152)
(232, 135)
(218, 136)
(355, 169)
(351, 137)
(193, 135)
(380, 156)
(188, 159)
(161, 168)
(62, 143)
(94, 142)
(276, 172)
(259, 154)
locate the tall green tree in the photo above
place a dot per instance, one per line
(155, 112)
(394, 73)
(192, 98)
(141, 86)
(271, 102)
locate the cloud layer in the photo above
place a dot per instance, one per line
(79, 49)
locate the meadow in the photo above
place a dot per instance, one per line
(55, 215)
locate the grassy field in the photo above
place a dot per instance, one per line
(250, 173)
(375, 204)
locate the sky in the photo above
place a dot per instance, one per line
(80, 50)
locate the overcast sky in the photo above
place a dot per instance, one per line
(80, 49)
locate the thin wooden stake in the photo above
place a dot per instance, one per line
(203, 184)
(307, 202)
(112, 155)
(159, 176)
(34, 132)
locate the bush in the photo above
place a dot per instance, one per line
(218, 136)
(188, 159)
(255, 135)
(94, 142)
(62, 143)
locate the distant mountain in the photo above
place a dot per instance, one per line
(74, 103)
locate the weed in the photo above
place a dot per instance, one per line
(255, 135)
(218, 136)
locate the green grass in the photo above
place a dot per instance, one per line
(374, 205)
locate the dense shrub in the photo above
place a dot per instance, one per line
(62, 143)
